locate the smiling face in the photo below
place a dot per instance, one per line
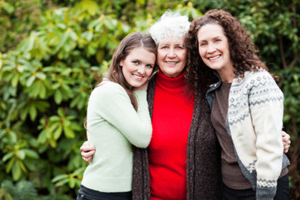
(138, 66)
(171, 57)
(214, 50)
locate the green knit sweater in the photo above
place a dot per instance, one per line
(113, 126)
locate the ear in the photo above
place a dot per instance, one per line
(121, 63)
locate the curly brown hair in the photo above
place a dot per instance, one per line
(242, 50)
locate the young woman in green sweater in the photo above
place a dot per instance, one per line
(117, 118)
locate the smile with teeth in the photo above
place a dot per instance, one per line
(215, 57)
(138, 77)
(171, 62)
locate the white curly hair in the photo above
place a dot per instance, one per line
(170, 24)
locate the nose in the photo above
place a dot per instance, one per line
(171, 53)
(211, 48)
(142, 69)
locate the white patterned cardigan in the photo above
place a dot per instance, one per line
(254, 122)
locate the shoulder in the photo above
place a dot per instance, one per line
(261, 83)
(258, 75)
(260, 78)
(108, 89)
(250, 78)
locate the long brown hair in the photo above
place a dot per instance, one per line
(242, 50)
(131, 41)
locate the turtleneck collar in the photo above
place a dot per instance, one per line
(171, 82)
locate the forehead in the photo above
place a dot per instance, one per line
(210, 31)
(141, 53)
(173, 40)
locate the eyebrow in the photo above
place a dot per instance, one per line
(136, 59)
(211, 38)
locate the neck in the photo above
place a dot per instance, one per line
(226, 75)
(177, 82)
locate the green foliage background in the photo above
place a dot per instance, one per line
(54, 52)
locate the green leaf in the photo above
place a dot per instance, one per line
(9, 165)
(79, 171)
(81, 103)
(52, 142)
(41, 76)
(109, 24)
(95, 22)
(73, 35)
(22, 166)
(43, 91)
(20, 154)
(62, 41)
(7, 156)
(89, 36)
(24, 113)
(32, 112)
(89, 6)
(75, 101)
(34, 89)
(69, 133)
(30, 81)
(67, 122)
(31, 154)
(43, 136)
(72, 182)
(2, 134)
(8, 7)
(63, 182)
(59, 177)
(57, 97)
(42, 105)
(54, 118)
(60, 112)
(16, 171)
(62, 26)
(15, 80)
(12, 137)
(55, 86)
(66, 72)
(57, 132)
(30, 42)
(77, 127)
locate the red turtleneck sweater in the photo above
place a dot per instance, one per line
(172, 116)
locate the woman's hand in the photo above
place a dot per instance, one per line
(286, 141)
(87, 152)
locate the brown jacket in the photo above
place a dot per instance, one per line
(203, 157)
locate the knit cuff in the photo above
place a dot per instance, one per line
(264, 193)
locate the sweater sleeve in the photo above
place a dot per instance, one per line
(266, 107)
(114, 105)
